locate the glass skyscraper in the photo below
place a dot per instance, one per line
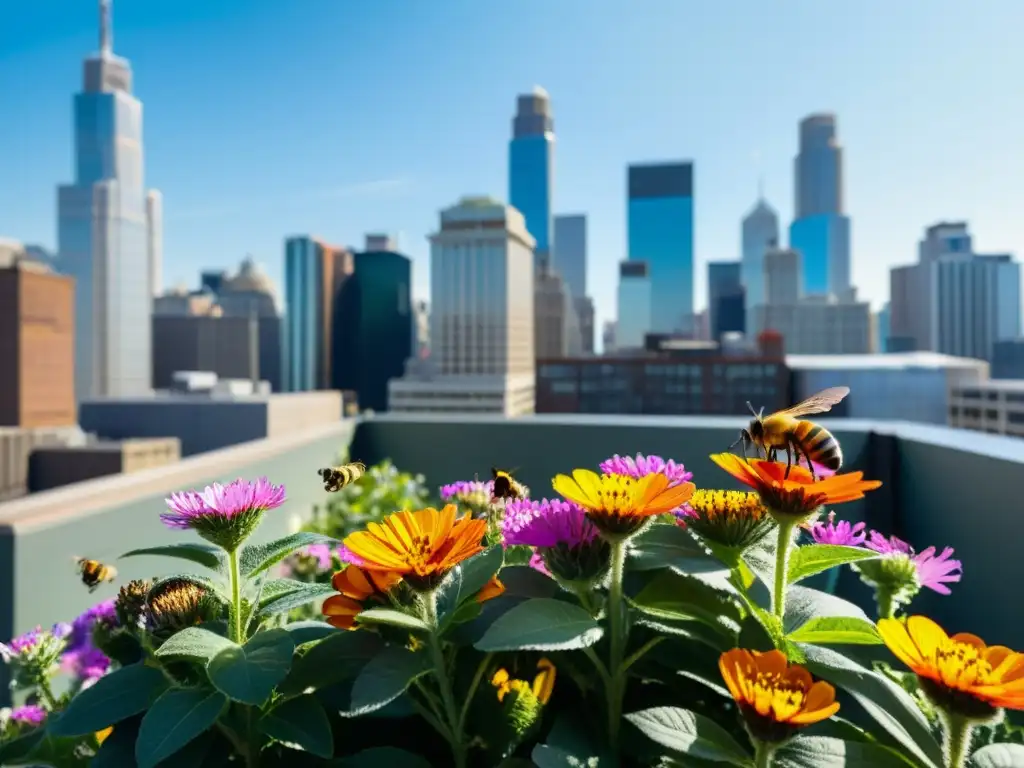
(531, 169)
(635, 308)
(103, 231)
(725, 298)
(571, 257)
(759, 234)
(819, 230)
(660, 224)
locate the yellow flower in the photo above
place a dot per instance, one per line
(421, 546)
(801, 494)
(619, 505)
(775, 697)
(101, 736)
(959, 673)
(356, 587)
(542, 687)
(491, 590)
(734, 519)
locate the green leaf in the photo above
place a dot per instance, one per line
(998, 756)
(174, 720)
(467, 579)
(541, 624)
(816, 751)
(393, 618)
(309, 631)
(804, 604)
(376, 757)
(884, 701)
(300, 595)
(547, 756)
(837, 630)
(663, 546)
(690, 734)
(256, 558)
(198, 552)
(810, 559)
(122, 693)
(249, 673)
(194, 643)
(336, 658)
(301, 723)
(384, 678)
(691, 629)
(16, 751)
(523, 581)
(671, 595)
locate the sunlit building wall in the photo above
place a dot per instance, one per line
(635, 305)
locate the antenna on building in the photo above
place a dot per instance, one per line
(106, 28)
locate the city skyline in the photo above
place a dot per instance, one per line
(213, 216)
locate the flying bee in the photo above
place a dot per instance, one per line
(336, 478)
(798, 437)
(505, 486)
(94, 573)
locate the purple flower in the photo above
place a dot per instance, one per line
(29, 714)
(321, 553)
(346, 555)
(537, 563)
(33, 641)
(934, 571)
(81, 627)
(545, 524)
(86, 663)
(841, 533)
(223, 514)
(642, 466)
(472, 492)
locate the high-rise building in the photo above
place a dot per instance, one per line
(660, 233)
(421, 328)
(373, 319)
(726, 312)
(608, 337)
(481, 316)
(571, 257)
(820, 230)
(556, 326)
(37, 338)
(759, 234)
(585, 314)
(781, 277)
(314, 273)
(227, 347)
(531, 168)
(155, 240)
(102, 230)
(636, 292)
(821, 325)
(882, 329)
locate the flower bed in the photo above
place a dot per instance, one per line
(629, 618)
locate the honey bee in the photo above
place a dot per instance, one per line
(336, 478)
(800, 439)
(94, 573)
(505, 486)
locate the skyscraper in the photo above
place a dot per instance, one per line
(660, 233)
(571, 257)
(635, 304)
(781, 277)
(155, 240)
(759, 234)
(820, 230)
(725, 298)
(103, 232)
(977, 303)
(531, 168)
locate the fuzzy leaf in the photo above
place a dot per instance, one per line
(809, 559)
(804, 604)
(392, 618)
(336, 658)
(690, 734)
(174, 720)
(309, 631)
(284, 601)
(376, 757)
(837, 630)
(998, 756)
(250, 672)
(523, 581)
(384, 678)
(256, 558)
(302, 723)
(466, 580)
(669, 545)
(671, 595)
(197, 552)
(816, 751)
(194, 643)
(122, 693)
(541, 624)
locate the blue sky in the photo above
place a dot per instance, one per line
(266, 118)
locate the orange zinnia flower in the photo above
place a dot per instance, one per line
(619, 505)
(420, 546)
(959, 673)
(798, 496)
(357, 588)
(775, 697)
(491, 590)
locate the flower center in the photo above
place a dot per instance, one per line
(727, 505)
(419, 553)
(961, 665)
(616, 493)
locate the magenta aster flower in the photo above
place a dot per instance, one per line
(545, 524)
(86, 664)
(537, 563)
(225, 515)
(642, 466)
(321, 553)
(29, 714)
(936, 571)
(841, 533)
(900, 573)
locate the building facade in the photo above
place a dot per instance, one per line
(314, 273)
(759, 233)
(373, 317)
(635, 310)
(823, 242)
(781, 277)
(726, 300)
(481, 316)
(556, 328)
(977, 303)
(996, 407)
(821, 326)
(226, 346)
(155, 240)
(585, 314)
(531, 169)
(660, 233)
(882, 329)
(571, 257)
(103, 233)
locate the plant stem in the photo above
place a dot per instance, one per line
(451, 713)
(958, 740)
(480, 670)
(782, 566)
(236, 597)
(763, 755)
(616, 615)
(252, 741)
(43, 684)
(635, 657)
(883, 597)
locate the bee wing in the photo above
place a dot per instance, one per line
(819, 403)
(111, 573)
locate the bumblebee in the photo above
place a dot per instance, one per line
(336, 478)
(803, 441)
(505, 486)
(93, 573)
